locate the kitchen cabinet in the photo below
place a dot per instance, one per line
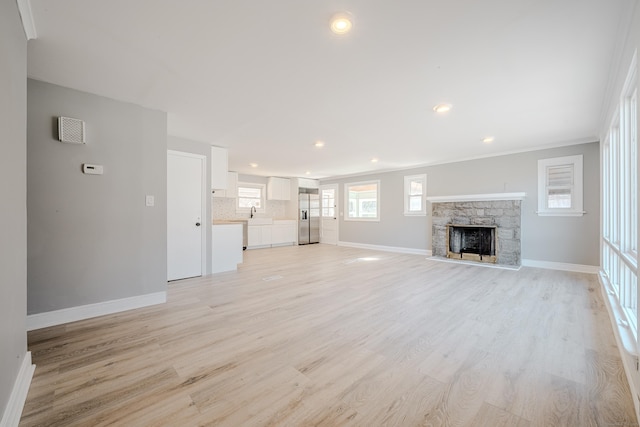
(232, 187)
(308, 183)
(278, 188)
(284, 232)
(279, 233)
(258, 236)
(219, 168)
(226, 241)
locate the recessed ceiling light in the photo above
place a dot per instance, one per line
(307, 173)
(488, 139)
(374, 160)
(319, 144)
(253, 165)
(442, 108)
(341, 23)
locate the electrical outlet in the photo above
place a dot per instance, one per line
(149, 200)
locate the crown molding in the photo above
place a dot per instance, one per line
(29, 25)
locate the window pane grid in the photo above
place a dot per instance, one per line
(620, 207)
(414, 194)
(605, 186)
(633, 175)
(328, 202)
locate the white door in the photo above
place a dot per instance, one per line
(185, 212)
(329, 214)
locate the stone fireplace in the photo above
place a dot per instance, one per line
(481, 227)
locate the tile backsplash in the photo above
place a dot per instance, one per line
(224, 208)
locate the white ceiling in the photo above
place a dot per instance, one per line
(267, 78)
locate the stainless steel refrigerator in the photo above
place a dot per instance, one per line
(309, 219)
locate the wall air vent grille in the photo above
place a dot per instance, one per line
(71, 130)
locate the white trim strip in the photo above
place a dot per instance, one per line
(386, 248)
(15, 405)
(477, 197)
(29, 25)
(73, 314)
(578, 268)
(475, 263)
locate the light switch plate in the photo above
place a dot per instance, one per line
(150, 200)
(92, 169)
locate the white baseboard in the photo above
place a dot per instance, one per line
(578, 268)
(474, 263)
(386, 248)
(624, 338)
(73, 314)
(13, 411)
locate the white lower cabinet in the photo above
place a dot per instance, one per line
(281, 232)
(259, 236)
(284, 233)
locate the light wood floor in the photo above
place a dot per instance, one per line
(330, 336)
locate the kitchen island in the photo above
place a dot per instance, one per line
(226, 241)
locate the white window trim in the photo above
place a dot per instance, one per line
(407, 188)
(576, 193)
(346, 201)
(263, 196)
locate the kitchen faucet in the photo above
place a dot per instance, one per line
(253, 209)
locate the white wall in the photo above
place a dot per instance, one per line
(13, 193)
(572, 240)
(91, 238)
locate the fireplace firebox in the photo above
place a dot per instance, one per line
(471, 242)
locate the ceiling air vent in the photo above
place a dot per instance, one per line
(70, 130)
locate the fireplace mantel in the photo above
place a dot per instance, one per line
(477, 197)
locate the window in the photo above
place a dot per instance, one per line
(250, 195)
(328, 202)
(415, 192)
(632, 174)
(619, 248)
(363, 201)
(560, 186)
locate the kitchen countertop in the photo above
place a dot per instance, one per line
(228, 221)
(242, 220)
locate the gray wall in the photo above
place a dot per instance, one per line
(13, 193)
(91, 238)
(202, 148)
(558, 239)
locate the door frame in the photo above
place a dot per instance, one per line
(336, 212)
(203, 205)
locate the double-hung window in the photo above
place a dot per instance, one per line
(415, 192)
(560, 186)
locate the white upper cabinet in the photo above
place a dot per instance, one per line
(308, 183)
(278, 188)
(232, 187)
(219, 168)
